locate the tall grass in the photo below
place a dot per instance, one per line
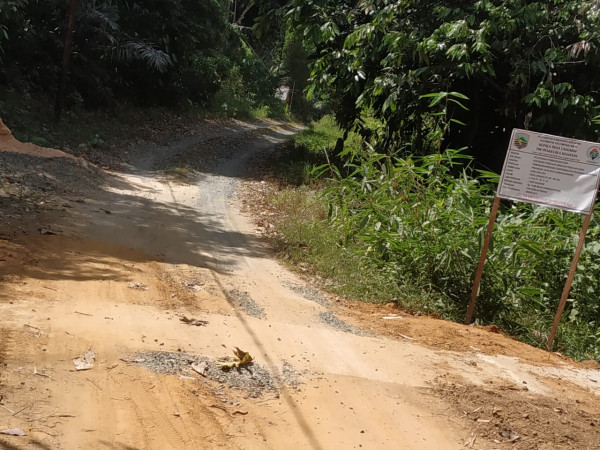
(411, 229)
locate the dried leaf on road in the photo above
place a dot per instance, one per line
(86, 361)
(14, 432)
(192, 321)
(243, 356)
(240, 358)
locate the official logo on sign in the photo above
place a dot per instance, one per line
(594, 153)
(521, 141)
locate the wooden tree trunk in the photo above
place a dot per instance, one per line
(66, 60)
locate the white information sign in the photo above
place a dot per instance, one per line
(551, 170)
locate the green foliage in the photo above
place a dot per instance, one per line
(516, 60)
(422, 219)
(9, 11)
(158, 52)
(322, 136)
(410, 230)
(311, 243)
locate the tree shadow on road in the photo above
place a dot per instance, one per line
(120, 220)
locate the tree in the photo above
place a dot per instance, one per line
(155, 52)
(520, 63)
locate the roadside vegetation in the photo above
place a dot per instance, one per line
(83, 73)
(409, 230)
(425, 97)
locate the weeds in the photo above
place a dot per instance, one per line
(411, 229)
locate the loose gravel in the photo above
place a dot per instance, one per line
(252, 378)
(243, 301)
(329, 318)
(31, 184)
(50, 176)
(309, 293)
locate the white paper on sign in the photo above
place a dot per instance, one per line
(551, 170)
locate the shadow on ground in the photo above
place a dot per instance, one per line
(102, 227)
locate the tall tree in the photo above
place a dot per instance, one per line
(519, 62)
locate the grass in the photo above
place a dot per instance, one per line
(311, 243)
(310, 240)
(322, 135)
(409, 231)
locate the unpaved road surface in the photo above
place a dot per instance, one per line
(120, 263)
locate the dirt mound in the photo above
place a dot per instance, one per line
(499, 414)
(9, 144)
(36, 180)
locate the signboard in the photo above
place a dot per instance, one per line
(551, 170)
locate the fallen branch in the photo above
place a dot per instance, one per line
(406, 337)
(22, 409)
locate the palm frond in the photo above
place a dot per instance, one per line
(102, 16)
(145, 52)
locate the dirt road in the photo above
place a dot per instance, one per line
(116, 269)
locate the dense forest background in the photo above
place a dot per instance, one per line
(519, 63)
(152, 53)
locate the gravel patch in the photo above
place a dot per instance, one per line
(308, 293)
(56, 176)
(244, 302)
(31, 184)
(290, 376)
(329, 318)
(253, 378)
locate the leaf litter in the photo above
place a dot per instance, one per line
(193, 322)
(240, 358)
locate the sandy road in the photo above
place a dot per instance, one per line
(196, 255)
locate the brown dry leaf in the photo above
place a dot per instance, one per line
(240, 358)
(192, 321)
(243, 356)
